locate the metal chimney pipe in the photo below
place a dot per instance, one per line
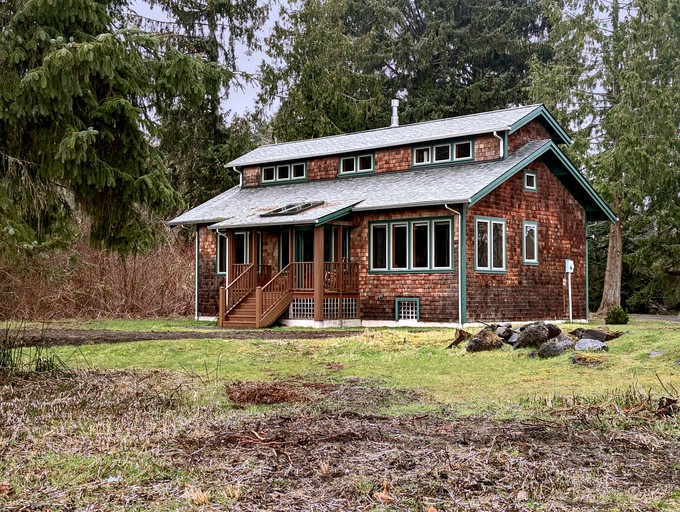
(395, 113)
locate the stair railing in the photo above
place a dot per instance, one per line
(271, 294)
(240, 287)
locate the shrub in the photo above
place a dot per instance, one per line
(616, 315)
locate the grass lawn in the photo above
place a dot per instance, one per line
(410, 358)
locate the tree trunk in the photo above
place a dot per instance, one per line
(611, 295)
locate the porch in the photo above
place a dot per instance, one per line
(315, 290)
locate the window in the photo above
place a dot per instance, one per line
(407, 308)
(462, 150)
(442, 153)
(414, 245)
(221, 253)
(240, 247)
(355, 164)
(490, 244)
(530, 243)
(530, 181)
(379, 246)
(287, 172)
(284, 249)
(291, 209)
(421, 156)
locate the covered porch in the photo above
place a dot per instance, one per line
(306, 277)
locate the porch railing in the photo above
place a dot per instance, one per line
(341, 277)
(302, 275)
(240, 287)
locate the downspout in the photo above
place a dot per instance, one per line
(240, 177)
(198, 231)
(500, 140)
(460, 266)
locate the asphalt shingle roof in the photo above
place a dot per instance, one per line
(485, 122)
(456, 183)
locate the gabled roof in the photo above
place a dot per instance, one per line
(452, 184)
(506, 120)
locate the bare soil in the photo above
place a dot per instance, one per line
(145, 441)
(56, 337)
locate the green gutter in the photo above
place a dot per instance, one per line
(333, 216)
(542, 111)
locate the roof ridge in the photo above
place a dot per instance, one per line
(430, 121)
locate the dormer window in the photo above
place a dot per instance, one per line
(356, 164)
(443, 152)
(462, 150)
(284, 172)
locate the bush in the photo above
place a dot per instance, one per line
(616, 315)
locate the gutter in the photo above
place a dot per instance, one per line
(500, 140)
(460, 265)
(240, 176)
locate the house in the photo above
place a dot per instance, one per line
(469, 219)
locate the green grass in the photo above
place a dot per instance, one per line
(402, 358)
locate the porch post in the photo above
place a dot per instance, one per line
(253, 247)
(318, 273)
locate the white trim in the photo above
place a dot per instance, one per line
(453, 153)
(207, 319)
(428, 244)
(351, 322)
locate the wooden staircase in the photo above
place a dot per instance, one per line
(244, 304)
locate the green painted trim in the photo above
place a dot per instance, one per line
(505, 145)
(529, 172)
(399, 300)
(450, 143)
(276, 180)
(490, 270)
(332, 216)
(585, 222)
(462, 278)
(409, 225)
(524, 243)
(549, 146)
(356, 171)
(542, 111)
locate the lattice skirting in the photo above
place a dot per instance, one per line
(303, 308)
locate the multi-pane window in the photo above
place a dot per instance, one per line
(416, 245)
(490, 244)
(443, 152)
(530, 243)
(355, 164)
(285, 172)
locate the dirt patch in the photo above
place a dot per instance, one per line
(57, 337)
(242, 394)
(125, 440)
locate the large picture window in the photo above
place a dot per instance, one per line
(413, 245)
(530, 243)
(489, 244)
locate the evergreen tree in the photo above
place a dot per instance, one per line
(615, 79)
(338, 62)
(77, 94)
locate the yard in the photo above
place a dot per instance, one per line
(288, 419)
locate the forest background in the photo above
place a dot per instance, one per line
(115, 116)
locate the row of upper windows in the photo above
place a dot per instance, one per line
(456, 151)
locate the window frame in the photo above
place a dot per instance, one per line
(533, 174)
(429, 155)
(434, 153)
(410, 269)
(356, 159)
(491, 269)
(246, 246)
(464, 158)
(218, 239)
(397, 303)
(525, 224)
(412, 248)
(277, 166)
(451, 143)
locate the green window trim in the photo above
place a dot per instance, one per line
(432, 147)
(398, 301)
(356, 159)
(526, 261)
(490, 269)
(220, 238)
(276, 171)
(409, 223)
(527, 177)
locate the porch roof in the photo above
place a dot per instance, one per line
(431, 186)
(505, 120)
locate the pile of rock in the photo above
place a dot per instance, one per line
(548, 339)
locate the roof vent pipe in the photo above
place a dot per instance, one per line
(395, 113)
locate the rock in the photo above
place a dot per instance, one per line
(505, 332)
(513, 338)
(677, 363)
(556, 346)
(553, 331)
(595, 334)
(656, 353)
(587, 344)
(585, 359)
(532, 335)
(486, 339)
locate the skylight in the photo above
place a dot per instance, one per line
(291, 209)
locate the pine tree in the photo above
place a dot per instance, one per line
(615, 79)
